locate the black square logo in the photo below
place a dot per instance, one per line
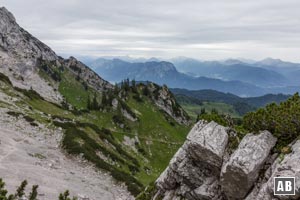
(284, 185)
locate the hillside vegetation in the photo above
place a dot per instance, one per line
(283, 120)
(122, 130)
(224, 102)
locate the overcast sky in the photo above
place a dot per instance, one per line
(211, 29)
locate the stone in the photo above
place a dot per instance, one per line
(207, 144)
(191, 174)
(288, 167)
(115, 103)
(128, 116)
(209, 190)
(167, 180)
(241, 171)
(166, 102)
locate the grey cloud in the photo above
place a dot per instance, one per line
(165, 28)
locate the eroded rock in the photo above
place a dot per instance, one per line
(191, 173)
(207, 143)
(288, 167)
(241, 171)
(204, 169)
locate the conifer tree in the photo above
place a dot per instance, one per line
(65, 196)
(95, 105)
(146, 91)
(3, 192)
(282, 120)
(88, 103)
(21, 189)
(116, 89)
(104, 100)
(133, 86)
(34, 193)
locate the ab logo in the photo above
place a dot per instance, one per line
(284, 185)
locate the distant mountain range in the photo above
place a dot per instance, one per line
(240, 105)
(163, 72)
(228, 98)
(259, 73)
(230, 76)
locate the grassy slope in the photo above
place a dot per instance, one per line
(74, 91)
(160, 139)
(222, 108)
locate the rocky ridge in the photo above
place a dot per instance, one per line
(203, 168)
(21, 54)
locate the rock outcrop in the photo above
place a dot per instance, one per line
(204, 169)
(18, 55)
(207, 144)
(241, 171)
(165, 100)
(86, 74)
(289, 166)
(193, 172)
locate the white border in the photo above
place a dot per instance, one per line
(278, 177)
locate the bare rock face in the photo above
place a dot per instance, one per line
(165, 101)
(241, 171)
(18, 42)
(86, 74)
(191, 173)
(207, 143)
(289, 166)
(19, 52)
(203, 169)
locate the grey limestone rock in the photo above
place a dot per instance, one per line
(289, 166)
(241, 171)
(190, 174)
(207, 144)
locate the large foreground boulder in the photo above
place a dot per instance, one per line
(192, 172)
(207, 144)
(241, 171)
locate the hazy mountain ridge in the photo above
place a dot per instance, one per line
(165, 73)
(242, 78)
(233, 69)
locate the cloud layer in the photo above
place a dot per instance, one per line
(165, 28)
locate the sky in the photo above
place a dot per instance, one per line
(202, 29)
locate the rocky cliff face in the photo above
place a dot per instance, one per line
(165, 100)
(204, 169)
(86, 74)
(21, 53)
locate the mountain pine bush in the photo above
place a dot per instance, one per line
(282, 120)
(20, 192)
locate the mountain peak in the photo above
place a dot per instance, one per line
(7, 21)
(167, 66)
(6, 15)
(270, 61)
(19, 43)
